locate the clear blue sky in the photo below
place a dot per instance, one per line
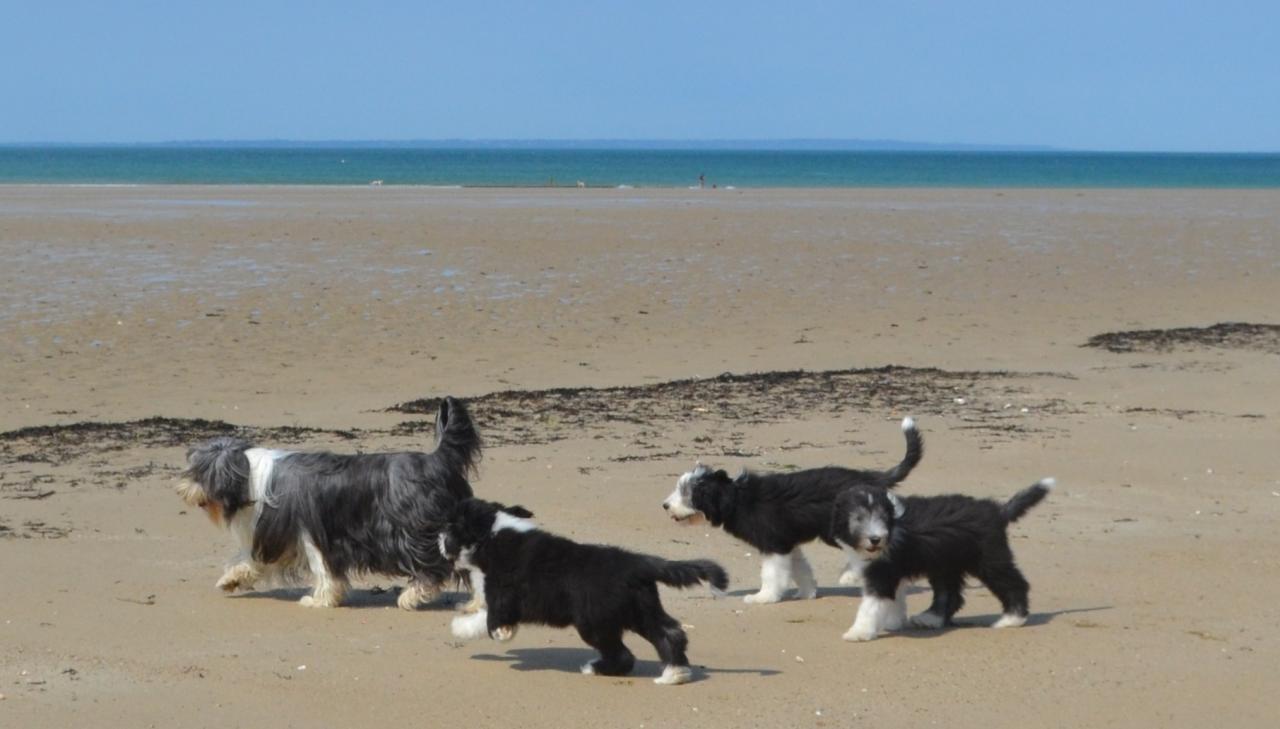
(1097, 75)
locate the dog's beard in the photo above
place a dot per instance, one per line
(193, 494)
(695, 519)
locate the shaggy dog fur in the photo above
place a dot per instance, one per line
(943, 538)
(778, 512)
(531, 576)
(332, 515)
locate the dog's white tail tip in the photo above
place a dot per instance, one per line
(908, 424)
(1048, 483)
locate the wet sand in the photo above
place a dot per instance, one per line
(606, 339)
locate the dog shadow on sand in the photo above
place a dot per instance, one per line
(824, 592)
(986, 621)
(570, 660)
(378, 597)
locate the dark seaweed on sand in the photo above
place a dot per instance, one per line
(54, 443)
(1225, 335)
(525, 417)
(540, 416)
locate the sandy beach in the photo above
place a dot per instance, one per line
(606, 339)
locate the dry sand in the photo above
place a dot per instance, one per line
(301, 316)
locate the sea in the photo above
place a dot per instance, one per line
(574, 166)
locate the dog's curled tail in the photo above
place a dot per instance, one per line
(915, 451)
(687, 573)
(1021, 503)
(456, 436)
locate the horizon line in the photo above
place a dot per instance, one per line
(649, 143)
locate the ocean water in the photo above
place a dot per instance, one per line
(537, 167)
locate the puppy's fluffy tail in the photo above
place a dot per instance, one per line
(457, 439)
(688, 573)
(1021, 503)
(915, 451)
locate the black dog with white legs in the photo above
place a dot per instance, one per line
(778, 512)
(531, 576)
(942, 538)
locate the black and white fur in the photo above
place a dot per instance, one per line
(778, 512)
(531, 576)
(942, 538)
(331, 515)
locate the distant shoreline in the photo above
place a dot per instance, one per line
(531, 168)
(620, 188)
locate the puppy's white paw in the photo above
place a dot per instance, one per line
(762, 598)
(588, 669)
(470, 627)
(1010, 620)
(927, 620)
(504, 633)
(674, 676)
(806, 593)
(849, 578)
(895, 620)
(859, 633)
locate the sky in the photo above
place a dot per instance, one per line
(1118, 75)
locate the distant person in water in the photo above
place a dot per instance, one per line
(702, 180)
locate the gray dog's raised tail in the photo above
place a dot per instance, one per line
(915, 451)
(1021, 503)
(457, 440)
(687, 573)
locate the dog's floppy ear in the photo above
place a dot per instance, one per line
(712, 499)
(899, 508)
(519, 511)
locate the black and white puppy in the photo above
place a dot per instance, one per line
(329, 515)
(778, 512)
(942, 538)
(531, 576)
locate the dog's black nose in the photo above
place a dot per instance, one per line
(875, 541)
(666, 506)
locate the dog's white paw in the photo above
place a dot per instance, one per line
(762, 598)
(859, 633)
(408, 599)
(849, 578)
(470, 627)
(317, 602)
(228, 583)
(807, 593)
(504, 633)
(894, 620)
(588, 669)
(415, 595)
(238, 577)
(1010, 620)
(674, 676)
(927, 620)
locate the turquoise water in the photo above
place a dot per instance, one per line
(332, 165)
